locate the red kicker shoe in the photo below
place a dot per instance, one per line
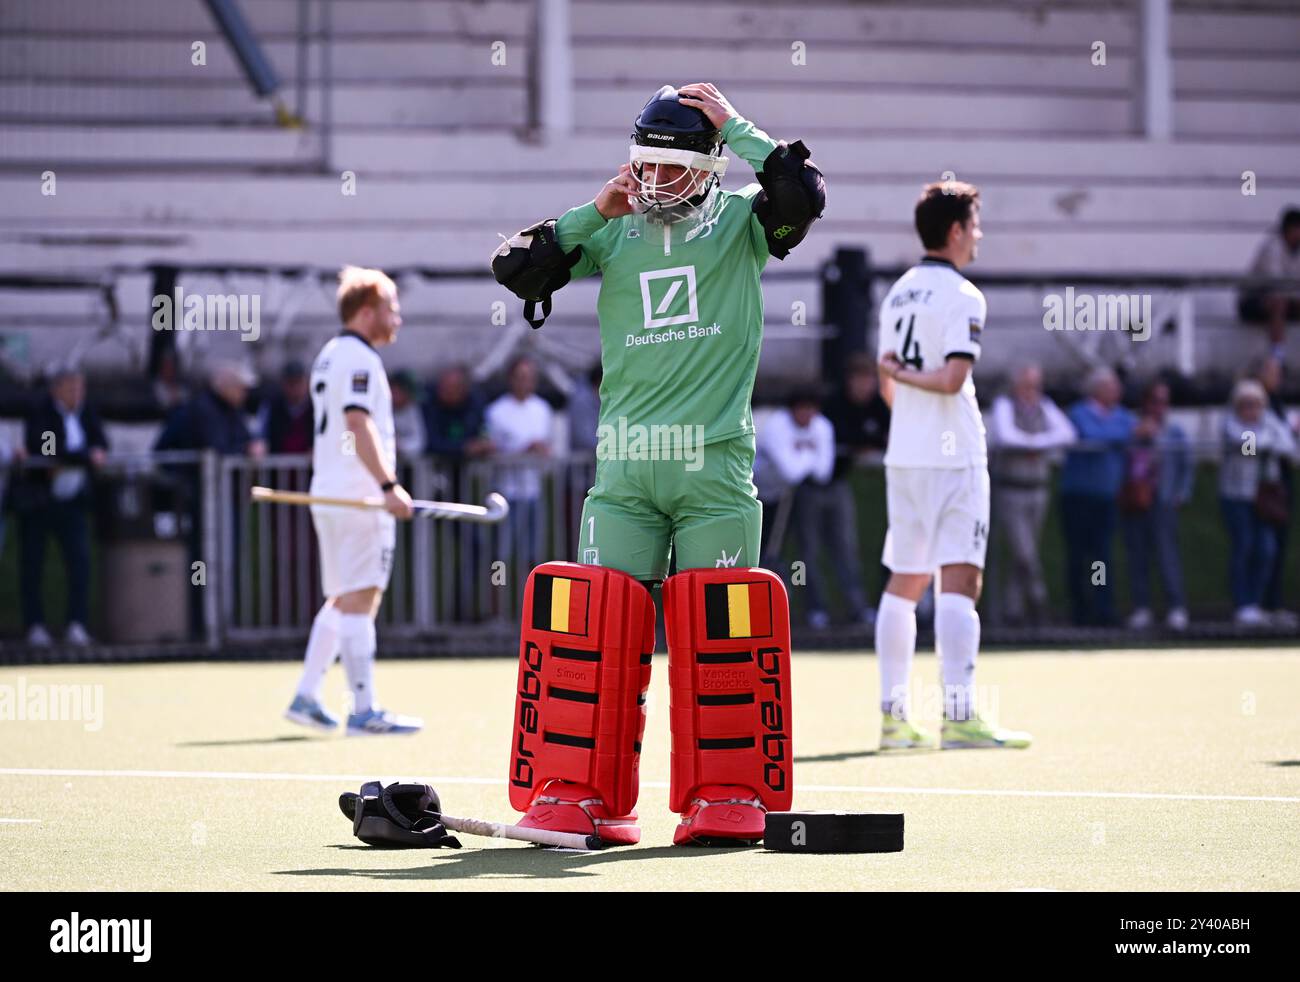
(565, 807)
(721, 815)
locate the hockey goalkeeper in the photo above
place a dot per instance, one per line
(681, 325)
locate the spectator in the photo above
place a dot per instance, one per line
(286, 422)
(1158, 483)
(584, 412)
(519, 424)
(213, 419)
(168, 387)
(408, 418)
(584, 437)
(11, 455)
(800, 444)
(453, 424)
(858, 413)
(1090, 482)
(453, 418)
(1254, 441)
(860, 417)
(1024, 427)
(1270, 375)
(796, 446)
(63, 430)
(777, 499)
(1278, 257)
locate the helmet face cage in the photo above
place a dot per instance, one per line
(674, 199)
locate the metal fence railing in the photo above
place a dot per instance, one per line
(245, 575)
(248, 574)
(445, 574)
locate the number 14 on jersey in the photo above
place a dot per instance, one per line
(909, 353)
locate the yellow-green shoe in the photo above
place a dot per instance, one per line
(974, 733)
(899, 734)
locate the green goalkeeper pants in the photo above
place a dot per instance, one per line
(707, 509)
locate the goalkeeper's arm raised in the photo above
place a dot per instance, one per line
(793, 193)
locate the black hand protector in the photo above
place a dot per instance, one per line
(400, 816)
(793, 197)
(532, 266)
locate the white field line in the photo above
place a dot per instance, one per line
(20, 821)
(357, 779)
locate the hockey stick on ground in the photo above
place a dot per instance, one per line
(350, 800)
(541, 837)
(494, 507)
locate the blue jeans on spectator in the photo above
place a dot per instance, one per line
(825, 515)
(1089, 522)
(1149, 533)
(1274, 592)
(1253, 546)
(67, 521)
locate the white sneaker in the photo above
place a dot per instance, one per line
(306, 711)
(1283, 620)
(76, 634)
(39, 637)
(1140, 619)
(380, 721)
(1250, 616)
(1176, 620)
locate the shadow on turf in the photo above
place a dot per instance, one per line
(259, 741)
(512, 863)
(1284, 763)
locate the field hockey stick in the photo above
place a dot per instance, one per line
(541, 837)
(494, 507)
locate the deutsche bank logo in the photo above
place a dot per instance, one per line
(668, 297)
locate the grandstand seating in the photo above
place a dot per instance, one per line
(160, 161)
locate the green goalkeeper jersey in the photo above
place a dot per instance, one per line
(680, 308)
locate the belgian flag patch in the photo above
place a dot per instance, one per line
(738, 610)
(560, 604)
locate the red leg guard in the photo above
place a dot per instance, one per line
(729, 672)
(584, 667)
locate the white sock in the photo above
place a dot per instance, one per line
(322, 646)
(957, 636)
(357, 649)
(895, 647)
